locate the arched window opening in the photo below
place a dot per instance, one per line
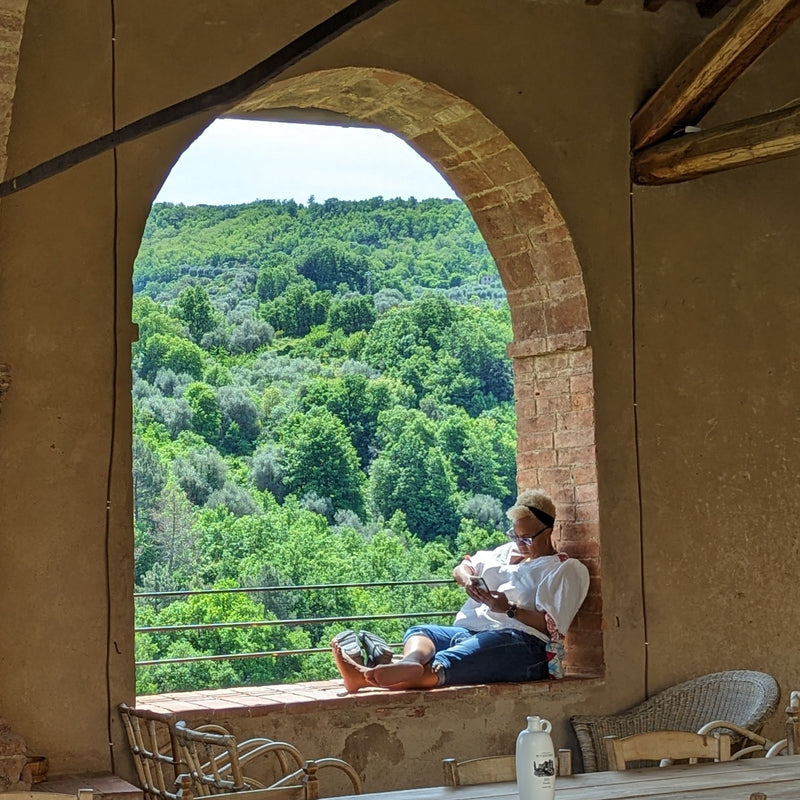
(322, 395)
(553, 406)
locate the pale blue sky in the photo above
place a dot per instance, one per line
(238, 161)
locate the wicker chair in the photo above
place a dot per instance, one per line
(160, 759)
(215, 759)
(744, 697)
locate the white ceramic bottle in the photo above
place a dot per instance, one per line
(536, 761)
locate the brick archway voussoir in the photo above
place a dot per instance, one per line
(513, 209)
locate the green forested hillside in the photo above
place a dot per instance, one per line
(321, 395)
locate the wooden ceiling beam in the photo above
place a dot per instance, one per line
(217, 99)
(653, 5)
(738, 144)
(708, 8)
(697, 83)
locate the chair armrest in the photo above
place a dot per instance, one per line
(760, 743)
(321, 763)
(338, 763)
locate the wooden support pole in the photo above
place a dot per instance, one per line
(698, 82)
(218, 98)
(737, 144)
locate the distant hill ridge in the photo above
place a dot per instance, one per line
(406, 245)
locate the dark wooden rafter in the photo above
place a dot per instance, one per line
(218, 98)
(708, 8)
(762, 138)
(711, 68)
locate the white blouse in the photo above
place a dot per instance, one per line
(548, 583)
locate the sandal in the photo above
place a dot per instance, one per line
(376, 648)
(349, 644)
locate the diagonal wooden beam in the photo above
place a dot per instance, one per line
(711, 68)
(762, 138)
(218, 98)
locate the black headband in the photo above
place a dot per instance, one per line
(542, 516)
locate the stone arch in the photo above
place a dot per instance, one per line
(540, 271)
(12, 21)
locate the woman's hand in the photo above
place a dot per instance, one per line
(496, 601)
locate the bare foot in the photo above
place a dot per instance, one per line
(406, 672)
(353, 674)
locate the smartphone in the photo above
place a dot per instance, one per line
(476, 580)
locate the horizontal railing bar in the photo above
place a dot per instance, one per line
(232, 656)
(264, 623)
(188, 592)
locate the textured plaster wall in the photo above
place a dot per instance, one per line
(712, 328)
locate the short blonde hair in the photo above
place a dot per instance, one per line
(529, 499)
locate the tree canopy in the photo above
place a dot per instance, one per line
(321, 395)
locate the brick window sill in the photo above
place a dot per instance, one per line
(256, 701)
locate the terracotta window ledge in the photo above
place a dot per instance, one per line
(253, 701)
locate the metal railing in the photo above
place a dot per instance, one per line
(413, 615)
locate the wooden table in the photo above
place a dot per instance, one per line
(778, 778)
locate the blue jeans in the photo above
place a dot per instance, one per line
(494, 656)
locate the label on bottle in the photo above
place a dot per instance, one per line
(544, 768)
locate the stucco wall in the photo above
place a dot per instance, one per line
(699, 288)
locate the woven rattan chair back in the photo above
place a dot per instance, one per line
(154, 750)
(745, 697)
(659, 748)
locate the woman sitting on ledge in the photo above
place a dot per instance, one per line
(510, 625)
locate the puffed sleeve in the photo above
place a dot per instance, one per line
(562, 592)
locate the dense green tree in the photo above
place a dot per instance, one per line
(320, 457)
(274, 277)
(267, 470)
(356, 401)
(193, 306)
(151, 318)
(235, 498)
(206, 414)
(240, 422)
(351, 313)
(199, 472)
(248, 334)
(297, 310)
(332, 263)
(165, 351)
(414, 476)
(470, 447)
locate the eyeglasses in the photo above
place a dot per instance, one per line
(526, 539)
